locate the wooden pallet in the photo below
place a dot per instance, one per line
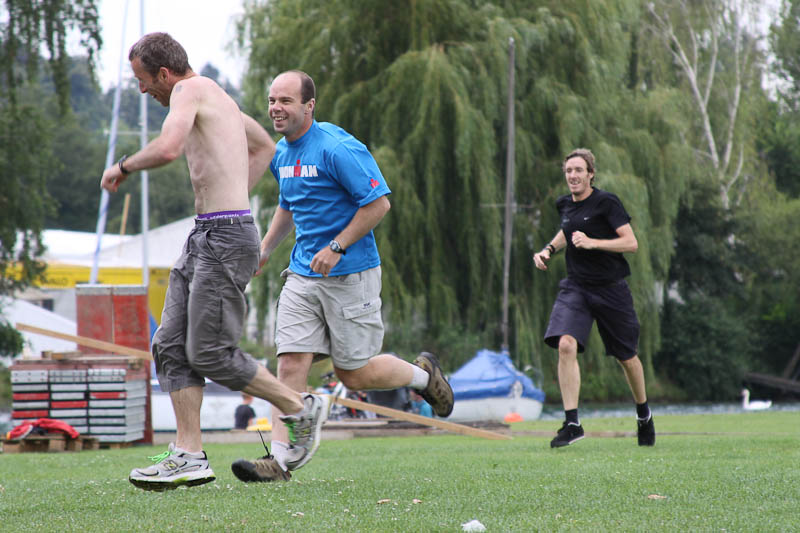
(114, 445)
(50, 443)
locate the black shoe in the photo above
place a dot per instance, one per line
(568, 434)
(646, 431)
(438, 393)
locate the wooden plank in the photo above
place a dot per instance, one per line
(424, 420)
(49, 443)
(773, 381)
(87, 342)
(789, 370)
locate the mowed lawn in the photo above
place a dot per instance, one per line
(732, 472)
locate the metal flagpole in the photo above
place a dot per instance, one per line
(145, 195)
(510, 204)
(112, 145)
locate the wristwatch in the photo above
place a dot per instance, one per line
(120, 163)
(336, 247)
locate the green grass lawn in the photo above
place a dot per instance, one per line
(733, 472)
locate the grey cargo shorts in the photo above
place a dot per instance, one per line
(205, 306)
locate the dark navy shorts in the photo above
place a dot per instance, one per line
(577, 306)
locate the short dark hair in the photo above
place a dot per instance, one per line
(156, 50)
(307, 88)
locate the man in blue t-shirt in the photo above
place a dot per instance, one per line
(332, 194)
(596, 231)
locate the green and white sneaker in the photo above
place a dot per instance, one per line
(172, 469)
(305, 428)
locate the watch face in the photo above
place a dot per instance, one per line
(335, 247)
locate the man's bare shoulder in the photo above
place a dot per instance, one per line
(205, 89)
(196, 85)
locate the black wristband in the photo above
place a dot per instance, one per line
(122, 169)
(551, 248)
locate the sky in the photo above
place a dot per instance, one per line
(204, 28)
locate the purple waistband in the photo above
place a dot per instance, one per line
(223, 214)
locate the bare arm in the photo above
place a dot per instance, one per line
(282, 223)
(364, 221)
(260, 150)
(169, 145)
(558, 242)
(625, 243)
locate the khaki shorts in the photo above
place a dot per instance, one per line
(337, 316)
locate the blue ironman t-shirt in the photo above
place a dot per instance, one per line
(325, 176)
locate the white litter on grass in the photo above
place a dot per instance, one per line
(473, 525)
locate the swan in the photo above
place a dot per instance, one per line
(755, 405)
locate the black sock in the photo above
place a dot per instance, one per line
(572, 416)
(642, 411)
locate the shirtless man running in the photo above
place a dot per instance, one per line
(227, 153)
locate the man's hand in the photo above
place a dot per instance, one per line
(262, 260)
(112, 178)
(580, 240)
(540, 259)
(324, 261)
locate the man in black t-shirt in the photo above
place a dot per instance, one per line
(244, 414)
(596, 231)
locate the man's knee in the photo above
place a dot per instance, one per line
(633, 363)
(567, 347)
(233, 369)
(293, 364)
(352, 379)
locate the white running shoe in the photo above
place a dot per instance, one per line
(305, 428)
(173, 468)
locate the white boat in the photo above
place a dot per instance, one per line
(489, 388)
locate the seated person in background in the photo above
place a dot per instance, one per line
(393, 398)
(244, 414)
(419, 405)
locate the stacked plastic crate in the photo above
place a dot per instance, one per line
(30, 394)
(68, 397)
(102, 398)
(116, 404)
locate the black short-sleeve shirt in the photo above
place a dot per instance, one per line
(242, 416)
(598, 216)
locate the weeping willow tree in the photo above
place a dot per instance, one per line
(26, 28)
(25, 153)
(423, 84)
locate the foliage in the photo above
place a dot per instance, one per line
(707, 324)
(11, 340)
(705, 349)
(778, 138)
(5, 373)
(424, 89)
(716, 49)
(778, 143)
(768, 231)
(26, 160)
(785, 42)
(31, 25)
